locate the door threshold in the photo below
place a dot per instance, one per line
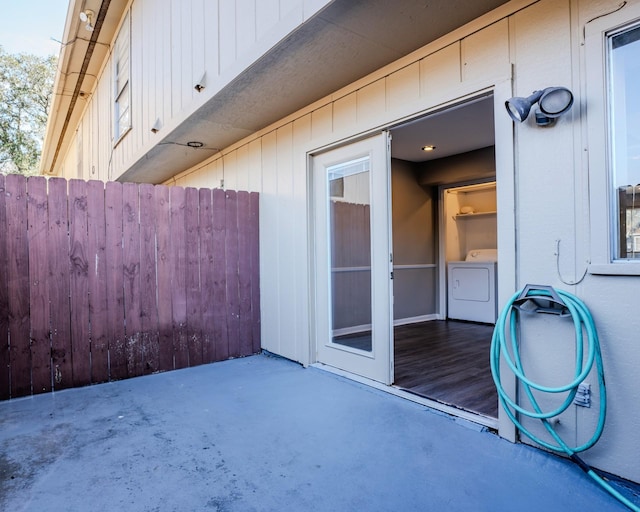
(476, 418)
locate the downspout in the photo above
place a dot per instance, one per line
(104, 7)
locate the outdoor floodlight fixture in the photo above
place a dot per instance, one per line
(87, 17)
(552, 103)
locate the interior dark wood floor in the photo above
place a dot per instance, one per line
(447, 361)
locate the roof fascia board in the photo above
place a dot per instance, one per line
(71, 56)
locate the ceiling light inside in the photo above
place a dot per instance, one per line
(428, 148)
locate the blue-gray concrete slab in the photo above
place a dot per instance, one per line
(262, 433)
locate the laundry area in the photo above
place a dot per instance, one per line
(444, 228)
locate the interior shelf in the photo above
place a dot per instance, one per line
(470, 215)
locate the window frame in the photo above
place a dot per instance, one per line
(603, 210)
(121, 50)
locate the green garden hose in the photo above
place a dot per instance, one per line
(507, 346)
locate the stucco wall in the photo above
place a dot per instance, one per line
(550, 174)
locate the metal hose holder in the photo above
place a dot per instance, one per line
(540, 298)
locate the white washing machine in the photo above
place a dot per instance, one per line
(472, 287)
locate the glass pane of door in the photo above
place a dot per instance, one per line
(350, 248)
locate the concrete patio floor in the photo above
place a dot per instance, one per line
(262, 433)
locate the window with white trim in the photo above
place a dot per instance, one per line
(623, 74)
(121, 79)
(612, 56)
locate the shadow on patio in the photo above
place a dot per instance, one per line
(262, 433)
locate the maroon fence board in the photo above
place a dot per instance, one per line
(244, 273)
(220, 336)
(131, 268)
(79, 283)
(59, 273)
(38, 224)
(102, 282)
(205, 200)
(192, 278)
(115, 282)
(163, 257)
(96, 226)
(179, 277)
(254, 230)
(18, 284)
(4, 300)
(233, 293)
(148, 289)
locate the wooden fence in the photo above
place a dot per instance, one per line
(103, 282)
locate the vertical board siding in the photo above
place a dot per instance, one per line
(244, 271)
(115, 282)
(4, 300)
(59, 271)
(131, 268)
(163, 272)
(149, 349)
(18, 284)
(194, 300)
(39, 284)
(97, 282)
(103, 282)
(173, 44)
(206, 275)
(79, 283)
(221, 339)
(254, 228)
(233, 290)
(179, 277)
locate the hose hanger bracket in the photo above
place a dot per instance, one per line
(540, 298)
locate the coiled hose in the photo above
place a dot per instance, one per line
(583, 323)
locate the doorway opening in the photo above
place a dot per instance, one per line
(444, 230)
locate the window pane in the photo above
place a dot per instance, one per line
(121, 73)
(123, 122)
(350, 242)
(624, 76)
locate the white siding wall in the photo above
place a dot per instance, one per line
(274, 161)
(173, 44)
(551, 194)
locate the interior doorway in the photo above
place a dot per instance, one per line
(444, 230)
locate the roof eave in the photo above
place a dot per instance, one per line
(72, 83)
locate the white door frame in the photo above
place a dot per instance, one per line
(506, 222)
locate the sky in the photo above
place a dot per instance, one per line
(29, 26)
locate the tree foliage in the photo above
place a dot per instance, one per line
(26, 92)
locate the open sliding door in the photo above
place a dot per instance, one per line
(352, 254)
